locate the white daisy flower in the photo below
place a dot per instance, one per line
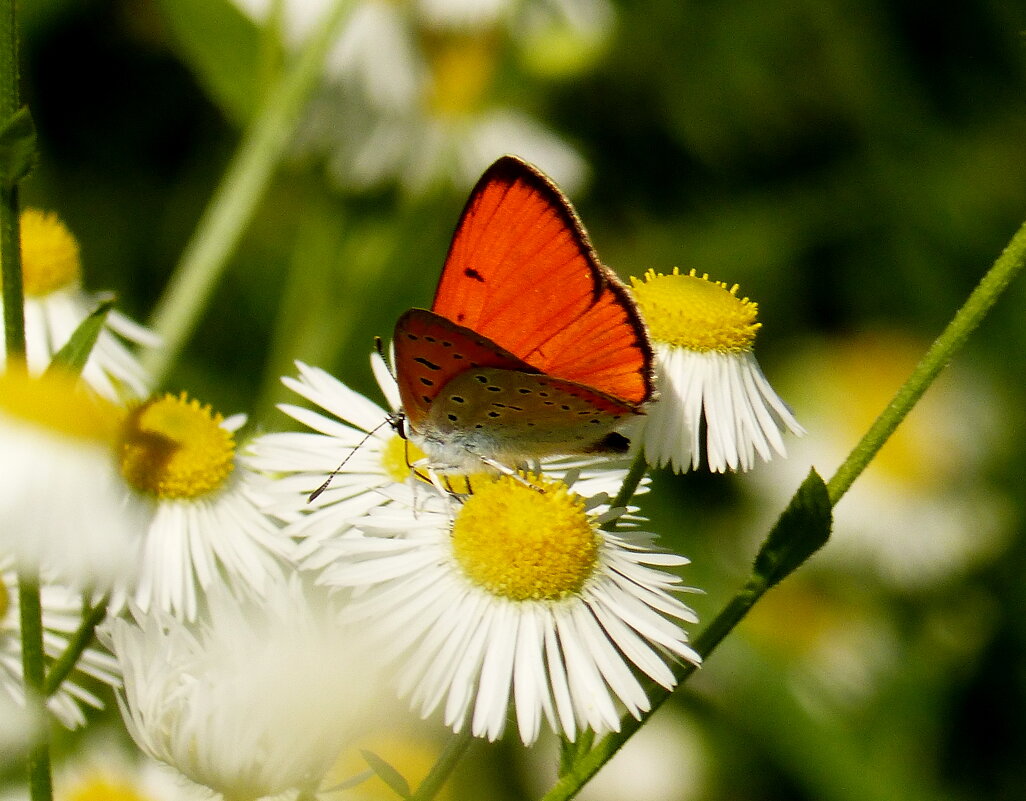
(62, 615)
(355, 433)
(205, 524)
(707, 377)
(255, 700)
(520, 595)
(56, 303)
(65, 511)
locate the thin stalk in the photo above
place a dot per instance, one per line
(79, 641)
(631, 481)
(234, 201)
(966, 319)
(444, 767)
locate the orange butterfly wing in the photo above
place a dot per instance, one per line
(522, 273)
(432, 351)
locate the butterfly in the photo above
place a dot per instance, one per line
(532, 347)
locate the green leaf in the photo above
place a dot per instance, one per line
(802, 529)
(17, 147)
(225, 50)
(387, 774)
(73, 356)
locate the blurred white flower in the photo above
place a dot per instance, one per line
(428, 114)
(920, 513)
(256, 699)
(65, 510)
(104, 770)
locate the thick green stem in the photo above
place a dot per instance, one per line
(32, 658)
(236, 198)
(30, 606)
(10, 236)
(965, 321)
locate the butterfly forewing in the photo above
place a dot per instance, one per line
(521, 273)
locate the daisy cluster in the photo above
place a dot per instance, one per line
(261, 595)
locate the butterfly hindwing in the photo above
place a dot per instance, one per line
(431, 350)
(512, 415)
(522, 273)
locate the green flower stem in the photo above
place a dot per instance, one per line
(59, 670)
(234, 201)
(10, 225)
(965, 321)
(631, 481)
(443, 768)
(32, 657)
(10, 255)
(29, 603)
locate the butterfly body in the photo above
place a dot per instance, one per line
(532, 348)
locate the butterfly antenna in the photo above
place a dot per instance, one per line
(327, 482)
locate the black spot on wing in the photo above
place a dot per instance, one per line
(470, 272)
(430, 365)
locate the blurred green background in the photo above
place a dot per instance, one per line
(854, 166)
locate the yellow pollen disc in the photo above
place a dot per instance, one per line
(58, 402)
(49, 254)
(104, 788)
(175, 448)
(686, 311)
(522, 544)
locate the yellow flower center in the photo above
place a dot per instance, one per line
(104, 788)
(175, 448)
(462, 68)
(686, 311)
(522, 544)
(49, 254)
(397, 456)
(59, 402)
